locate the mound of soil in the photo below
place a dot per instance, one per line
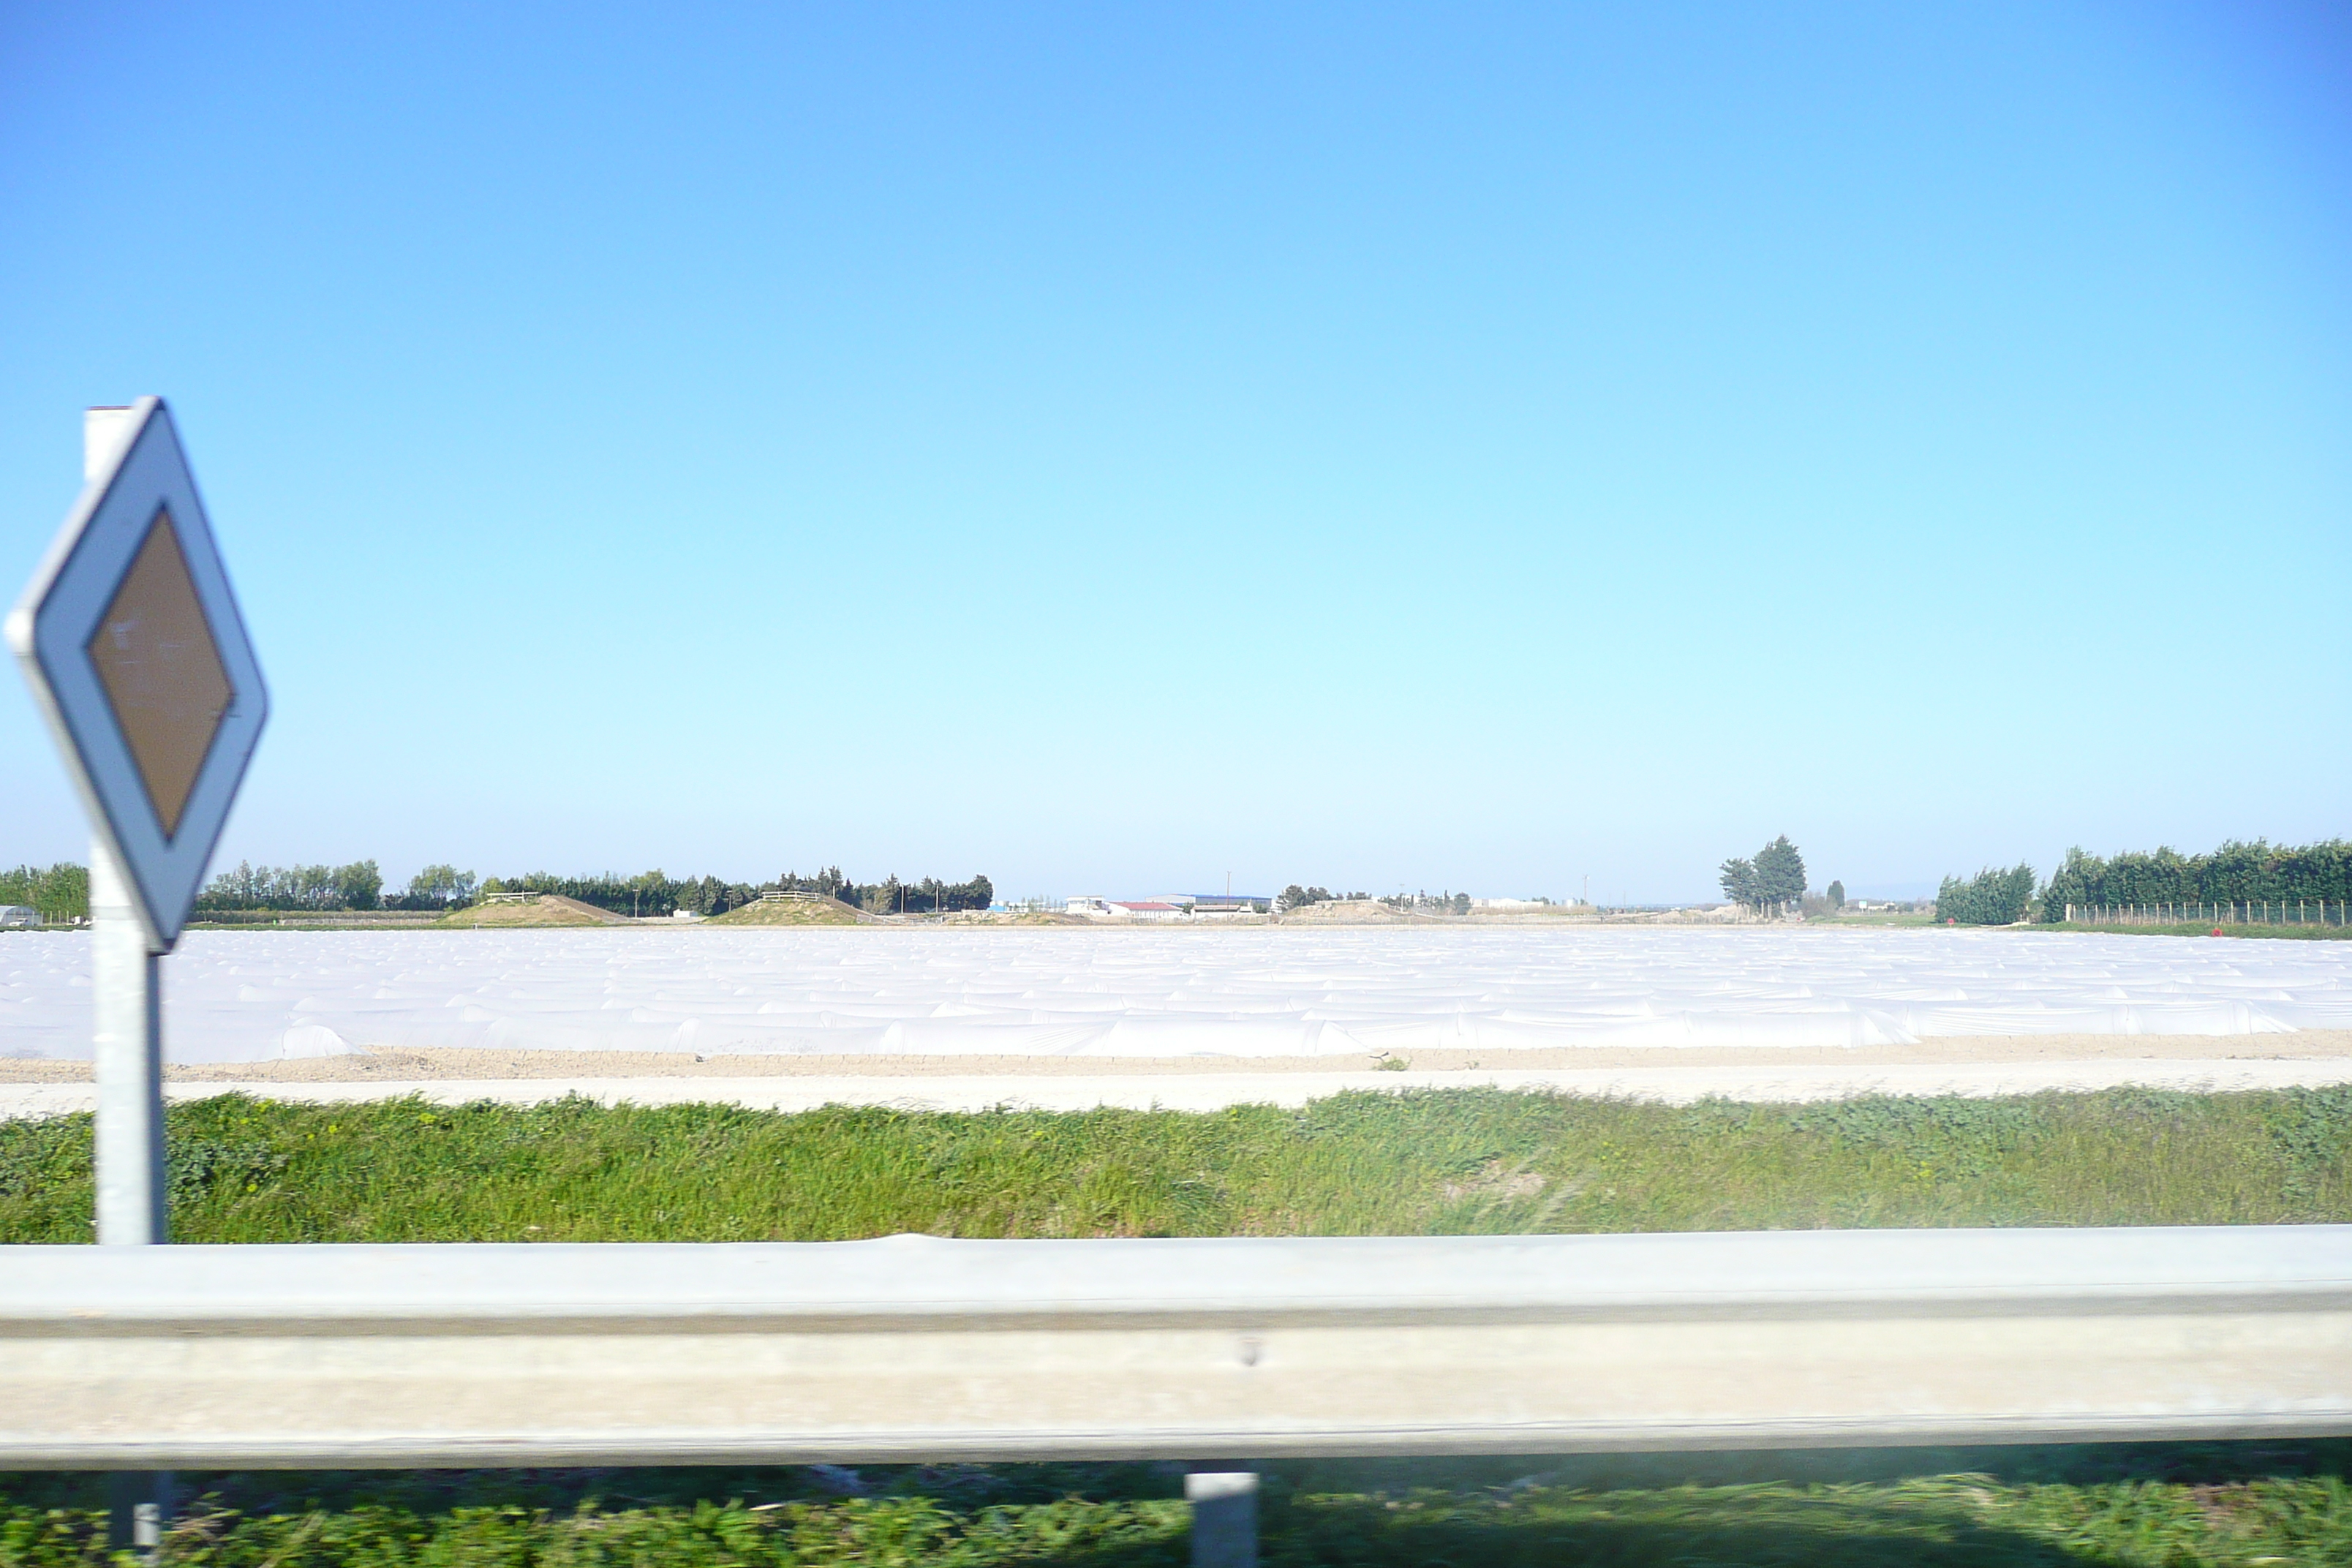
(547, 909)
(1349, 911)
(793, 913)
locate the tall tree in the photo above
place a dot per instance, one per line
(1774, 879)
(443, 886)
(1779, 872)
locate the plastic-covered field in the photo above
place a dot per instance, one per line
(263, 995)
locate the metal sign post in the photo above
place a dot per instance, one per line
(131, 642)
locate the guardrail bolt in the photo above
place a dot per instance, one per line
(1224, 1518)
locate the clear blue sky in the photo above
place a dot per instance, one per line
(1110, 448)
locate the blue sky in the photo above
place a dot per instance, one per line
(1113, 448)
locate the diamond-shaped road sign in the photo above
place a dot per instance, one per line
(132, 642)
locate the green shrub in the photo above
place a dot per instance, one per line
(1988, 899)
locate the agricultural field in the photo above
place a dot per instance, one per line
(715, 989)
(1452, 1161)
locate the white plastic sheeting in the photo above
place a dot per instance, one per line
(1260, 992)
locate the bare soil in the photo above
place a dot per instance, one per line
(407, 1066)
(794, 912)
(547, 909)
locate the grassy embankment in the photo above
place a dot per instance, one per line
(1424, 1163)
(547, 909)
(1436, 1163)
(793, 912)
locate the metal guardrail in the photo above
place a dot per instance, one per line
(912, 1347)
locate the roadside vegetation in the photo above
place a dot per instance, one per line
(1430, 1163)
(2146, 1506)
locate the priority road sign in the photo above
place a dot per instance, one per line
(133, 646)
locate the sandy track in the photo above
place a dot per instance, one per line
(1200, 1091)
(1981, 1065)
(384, 1065)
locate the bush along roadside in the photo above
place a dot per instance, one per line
(2176, 1505)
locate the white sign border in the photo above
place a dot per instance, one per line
(50, 630)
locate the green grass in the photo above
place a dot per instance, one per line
(1426, 1162)
(2172, 1505)
(2313, 932)
(1871, 920)
(2293, 933)
(1419, 1162)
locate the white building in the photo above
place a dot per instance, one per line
(19, 915)
(1098, 909)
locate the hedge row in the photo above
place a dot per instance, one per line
(2237, 872)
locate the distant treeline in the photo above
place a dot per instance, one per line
(61, 892)
(358, 886)
(652, 893)
(2237, 872)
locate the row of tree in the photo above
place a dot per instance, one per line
(653, 893)
(2237, 872)
(358, 886)
(1295, 897)
(1773, 880)
(1428, 903)
(61, 892)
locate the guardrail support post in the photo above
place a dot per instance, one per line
(1224, 1518)
(138, 1505)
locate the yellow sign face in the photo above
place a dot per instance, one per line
(162, 669)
